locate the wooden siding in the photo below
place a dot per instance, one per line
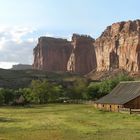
(122, 93)
(133, 104)
(108, 107)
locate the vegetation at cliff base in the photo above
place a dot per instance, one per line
(44, 91)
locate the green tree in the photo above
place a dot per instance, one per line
(8, 96)
(79, 90)
(93, 91)
(1, 97)
(55, 92)
(97, 90)
(43, 91)
(27, 94)
(39, 91)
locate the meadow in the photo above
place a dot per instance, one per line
(66, 122)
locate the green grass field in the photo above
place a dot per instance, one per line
(66, 122)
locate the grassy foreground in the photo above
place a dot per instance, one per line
(66, 122)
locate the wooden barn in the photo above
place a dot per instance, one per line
(124, 95)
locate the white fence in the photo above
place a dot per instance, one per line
(129, 110)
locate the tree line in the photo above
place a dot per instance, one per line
(42, 91)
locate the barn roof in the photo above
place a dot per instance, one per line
(122, 93)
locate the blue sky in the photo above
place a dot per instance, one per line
(23, 21)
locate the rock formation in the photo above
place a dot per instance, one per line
(52, 54)
(83, 57)
(21, 67)
(119, 47)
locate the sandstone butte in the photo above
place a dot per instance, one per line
(117, 48)
(52, 54)
(55, 54)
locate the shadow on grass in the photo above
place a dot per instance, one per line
(3, 119)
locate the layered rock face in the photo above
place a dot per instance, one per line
(83, 57)
(119, 47)
(52, 54)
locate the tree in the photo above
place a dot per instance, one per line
(1, 97)
(8, 96)
(27, 94)
(93, 91)
(97, 90)
(79, 89)
(39, 91)
(43, 91)
(55, 92)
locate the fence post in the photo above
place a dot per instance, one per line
(130, 111)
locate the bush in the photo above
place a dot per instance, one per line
(41, 92)
(97, 90)
(8, 96)
(1, 97)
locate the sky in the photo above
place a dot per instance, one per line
(22, 22)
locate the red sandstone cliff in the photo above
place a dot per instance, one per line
(83, 57)
(52, 54)
(119, 47)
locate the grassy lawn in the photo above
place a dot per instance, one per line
(66, 122)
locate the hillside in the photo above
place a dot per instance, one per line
(22, 78)
(103, 75)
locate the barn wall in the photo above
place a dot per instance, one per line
(108, 107)
(133, 104)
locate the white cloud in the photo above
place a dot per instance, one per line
(2, 42)
(16, 45)
(18, 32)
(69, 37)
(49, 35)
(32, 40)
(7, 65)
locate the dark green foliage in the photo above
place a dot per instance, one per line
(26, 92)
(8, 95)
(78, 90)
(97, 90)
(15, 79)
(55, 92)
(42, 91)
(93, 91)
(39, 91)
(1, 97)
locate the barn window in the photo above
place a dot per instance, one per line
(103, 105)
(118, 106)
(110, 107)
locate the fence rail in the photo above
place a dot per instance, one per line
(80, 102)
(129, 110)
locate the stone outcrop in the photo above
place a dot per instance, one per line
(119, 47)
(83, 57)
(52, 54)
(21, 67)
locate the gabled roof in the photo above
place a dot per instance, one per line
(122, 93)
